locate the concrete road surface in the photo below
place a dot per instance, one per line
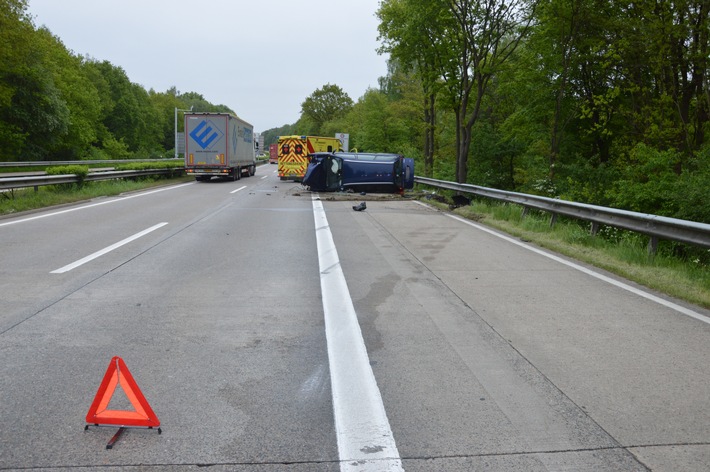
(416, 341)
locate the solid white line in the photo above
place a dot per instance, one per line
(121, 199)
(634, 290)
(240, 188)
(106, 250)
(365, 440)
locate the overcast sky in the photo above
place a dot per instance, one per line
(261, 58)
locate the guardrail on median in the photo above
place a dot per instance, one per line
(25, 181)
(654, 226)
(66, 163)
(7, 183)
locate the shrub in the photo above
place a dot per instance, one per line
(80, 171)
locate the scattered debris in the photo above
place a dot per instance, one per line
(436, 198)
(362, 206)
(459, 201)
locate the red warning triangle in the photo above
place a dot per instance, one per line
(118, 374)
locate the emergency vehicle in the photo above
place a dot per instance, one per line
(295, 151)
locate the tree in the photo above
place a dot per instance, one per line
(271, 136)
(414, 33)
(566, 77)
(326, 103)
(457, 46)
(548, 63)
(129, 116)
(488, 32)
(15, 29)
(77, 91)
(165, 104)
(668, 59)
(32, 111)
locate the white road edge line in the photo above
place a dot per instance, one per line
(629, 288)
(240, 188)
(106, 250)
(365, 440)
(91, 205)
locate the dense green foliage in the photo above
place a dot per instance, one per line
(599, 102)
(150, 165)
(79, 171)
(55, 105)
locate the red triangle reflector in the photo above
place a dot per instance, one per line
(99, 414)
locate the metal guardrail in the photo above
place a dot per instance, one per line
(67, 163)
(8, 183)
(24, 181)
(657, 227)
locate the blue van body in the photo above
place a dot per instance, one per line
(361, 172)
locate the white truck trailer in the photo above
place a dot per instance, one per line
(218, 145)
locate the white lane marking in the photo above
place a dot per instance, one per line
(106, 250)
(265, 177)
(121, 199)
(634, 290)
(365, 440)
(240, 188)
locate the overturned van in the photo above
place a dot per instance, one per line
(360, 172)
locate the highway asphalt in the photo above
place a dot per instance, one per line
(466, 349)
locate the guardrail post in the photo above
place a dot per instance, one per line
(553, 220)
(595, 228)
(653, 245)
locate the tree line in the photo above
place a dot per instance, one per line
(56, 105)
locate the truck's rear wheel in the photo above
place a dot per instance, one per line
(252, 170)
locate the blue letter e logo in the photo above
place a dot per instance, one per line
(205, 133)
